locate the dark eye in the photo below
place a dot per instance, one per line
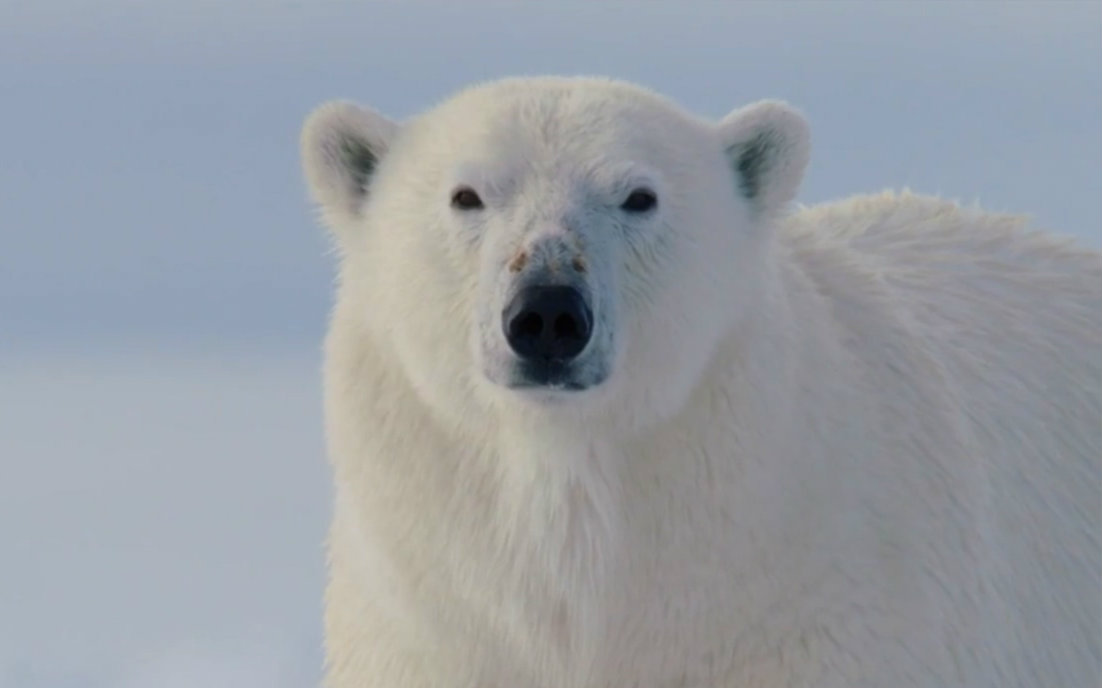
(465, 198)
(639, 201)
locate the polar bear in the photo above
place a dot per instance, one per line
(604, 410)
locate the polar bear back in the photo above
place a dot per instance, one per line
(1014, 318)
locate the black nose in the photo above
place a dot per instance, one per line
(547, 323)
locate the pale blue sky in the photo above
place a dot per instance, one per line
(163, 287)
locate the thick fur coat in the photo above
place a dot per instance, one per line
(851, 445)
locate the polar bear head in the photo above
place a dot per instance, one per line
(570, 248)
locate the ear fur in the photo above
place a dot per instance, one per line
(768, 145)
(341, 146)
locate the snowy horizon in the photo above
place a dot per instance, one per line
(164, 286)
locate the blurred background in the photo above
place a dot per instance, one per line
(164, 288)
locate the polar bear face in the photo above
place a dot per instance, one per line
(569, 247)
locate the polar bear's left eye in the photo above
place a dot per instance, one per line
(639, 201)
(465, 198)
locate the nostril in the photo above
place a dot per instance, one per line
(566, 327)
(529, 324)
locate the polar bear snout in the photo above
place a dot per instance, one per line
(546, 320)
(553, 339)
(547, 324)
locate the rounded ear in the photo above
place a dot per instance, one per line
(768, 145)
(341, 145)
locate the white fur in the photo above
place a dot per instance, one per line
(857, 445)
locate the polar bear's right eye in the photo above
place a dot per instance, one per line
(465, 198)
(640, 201)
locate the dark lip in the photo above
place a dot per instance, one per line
(550, 374)
(566, 386)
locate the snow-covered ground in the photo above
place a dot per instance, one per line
(161, 520)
